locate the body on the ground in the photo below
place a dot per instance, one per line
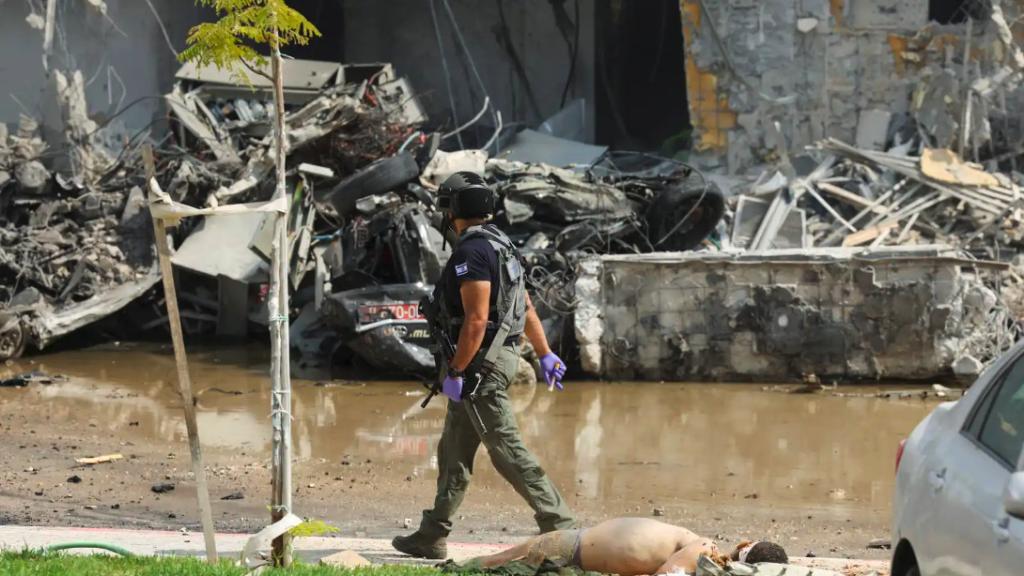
(630, 547)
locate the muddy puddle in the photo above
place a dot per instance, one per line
(692, 442)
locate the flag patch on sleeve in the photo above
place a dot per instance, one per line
(461, 269)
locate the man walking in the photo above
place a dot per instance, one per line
(482, 304)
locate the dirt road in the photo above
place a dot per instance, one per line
(814, 473)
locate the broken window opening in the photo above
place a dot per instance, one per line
(957, 11)
(641, 83)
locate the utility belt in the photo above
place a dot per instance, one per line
(478, 370)
(444, 330)
(489, 332)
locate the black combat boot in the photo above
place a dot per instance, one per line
(419, 545)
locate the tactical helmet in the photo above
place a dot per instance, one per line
(467, 195)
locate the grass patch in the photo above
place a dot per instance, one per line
(34, 563)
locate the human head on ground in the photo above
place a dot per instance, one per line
(467, 200)
(757, 552)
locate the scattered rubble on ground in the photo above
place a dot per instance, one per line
(104, 459)
(22, 380)
(880, 543)
(346, 559)
(162, 488)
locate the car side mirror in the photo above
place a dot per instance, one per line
(1013, 499)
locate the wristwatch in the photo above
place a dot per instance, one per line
(453, 373)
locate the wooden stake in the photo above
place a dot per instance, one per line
(280, 363)
(184, 382)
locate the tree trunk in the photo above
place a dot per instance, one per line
(280, 370)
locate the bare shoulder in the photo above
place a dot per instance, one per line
(649, 526)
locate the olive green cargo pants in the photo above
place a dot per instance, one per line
(488, 418)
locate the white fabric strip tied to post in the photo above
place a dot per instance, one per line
(262, 539)
(165, 208)
(167, 212)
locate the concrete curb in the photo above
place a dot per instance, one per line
(311, 549)
(182, 543)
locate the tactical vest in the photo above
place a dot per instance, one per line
(510, 304)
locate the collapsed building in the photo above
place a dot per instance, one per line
(366, 240)
(862, 72)
(875, 211)
(857, 236)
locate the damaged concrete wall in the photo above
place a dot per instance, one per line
(402, 32)
(838, 313)
(122, 54)
(818, 67)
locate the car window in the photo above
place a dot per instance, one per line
(1012, 373)
(977, 419)
(1002, 422)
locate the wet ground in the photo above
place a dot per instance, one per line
(814, 472)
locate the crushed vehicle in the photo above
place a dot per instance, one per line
(392, 257)
(383, 326)
(393, 251)
(624, 203)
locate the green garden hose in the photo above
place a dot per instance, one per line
(100, 545)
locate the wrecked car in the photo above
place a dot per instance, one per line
(392, 257)
(383, 326)
(392, 251)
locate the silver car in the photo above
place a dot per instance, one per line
(959, 501)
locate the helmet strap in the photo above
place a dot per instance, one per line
(446, 224)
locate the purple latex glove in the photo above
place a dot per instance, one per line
(452, 388)
(554, 369)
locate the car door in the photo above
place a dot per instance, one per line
(965, 481)
(1011, 553)
(1002, 437)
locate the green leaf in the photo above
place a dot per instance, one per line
(243, 27)
(313, 528)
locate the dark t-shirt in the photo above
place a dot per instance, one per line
(473, 259)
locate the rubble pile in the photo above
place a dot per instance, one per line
(225, 128)
(626, 203)
(393, 249)
(856, 197)
(350, 132)
(61, 240)
(75, 236)
(843, 197)
(938, 169)
(366, 235)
